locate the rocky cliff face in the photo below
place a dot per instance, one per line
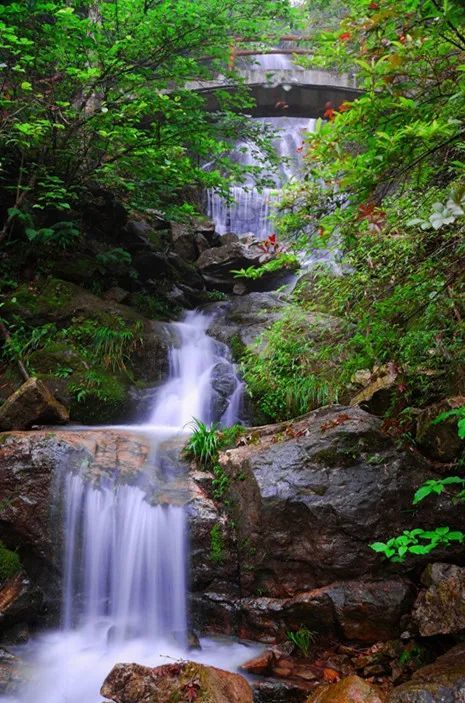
(306, 500)
(288, 544)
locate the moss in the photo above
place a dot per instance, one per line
(237, 347)
(216, 544)
(101, 400)
(10, 563)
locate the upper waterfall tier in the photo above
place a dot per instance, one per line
(251, 209)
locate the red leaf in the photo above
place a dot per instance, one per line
(373, 6)
(331, 676)
(345, 36)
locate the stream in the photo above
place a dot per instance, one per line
(125, 561)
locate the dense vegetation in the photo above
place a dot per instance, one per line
(384, 188)
(98, 124)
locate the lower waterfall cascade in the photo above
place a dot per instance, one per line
(125, 575)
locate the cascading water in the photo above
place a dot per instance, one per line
(250, 209)
(125, 560)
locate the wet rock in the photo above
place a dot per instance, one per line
(363, 611)
(31, 404)
(440, 441)
(133, 683)
(184, 241)
(11, 672)
(440, 682)
(379, 388)
(243, 319)
(351, 689)
(28, 461)
(261, 664)
(201, 242)
(20, 601)
(371, 611)
(316, 492)
(440, 608)
(281, 691)
(307, 498)
(216, 264)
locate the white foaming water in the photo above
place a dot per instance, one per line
(124, 564)
(125, 560)
(189, 392)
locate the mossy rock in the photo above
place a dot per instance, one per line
(10, 563)
(54, 300)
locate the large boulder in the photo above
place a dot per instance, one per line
(440, 440)
(32, 404)
(133, 683)
(240, 321)
(440, 682)
(440, 607)
(306, 500)
(351, 689)
(216, 264)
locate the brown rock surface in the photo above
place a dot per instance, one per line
(440, 682)
(440, 441)
(133, 683)
(31, 404)
(440, 608)
(19, 600)
(351, 689)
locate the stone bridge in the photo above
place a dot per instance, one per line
(285, 90)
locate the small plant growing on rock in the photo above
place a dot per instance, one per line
(203, 444)
(302, 639)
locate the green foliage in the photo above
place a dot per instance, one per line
(281, 261)
(438, 486)
(459, 413)
(418, 542)
(10, 563)
(220, 483)
(203, 444)
(97, 94)
(216, 544)
(114, 257)
(384, 179)
(302, 639)
(280, 371)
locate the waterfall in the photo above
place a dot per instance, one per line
(125, 559)
(130, 570)
(250, 209)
